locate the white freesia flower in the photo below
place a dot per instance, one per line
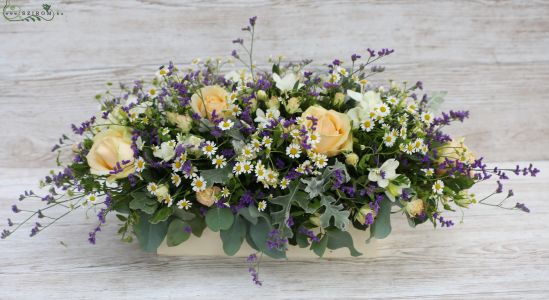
(238, 76)
(132, 99)
(286, 83)
(265, 117)
(385, 173)
(166, 151)
(368, 101)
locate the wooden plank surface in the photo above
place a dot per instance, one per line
(491, 57)
(494, 254)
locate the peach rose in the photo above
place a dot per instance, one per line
(208, 196)
(208, 99)
(110, 147)
(334, 129)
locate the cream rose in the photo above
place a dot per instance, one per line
(334, 129)
(183, 122)
(209, 99)
(415, 207)
(208, 196)
(110, 147)
(454, 150)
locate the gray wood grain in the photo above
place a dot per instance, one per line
(491, 57)
(494, 254)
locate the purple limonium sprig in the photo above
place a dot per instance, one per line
(310, 234)
(443, 222)
(275, 240)
(254, 263)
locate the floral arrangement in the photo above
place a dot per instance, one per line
(288, 157)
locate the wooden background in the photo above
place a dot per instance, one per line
(491, 56)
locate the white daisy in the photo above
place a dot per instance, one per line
(184, 204)
(389, 139)
(235, 110)
(383, 110)
(209, 148)
(248, 152)
(284, 183)
(409, 148)
(219, 161)
(438, 187)
(427, 118)
(428, 172)
(267, 141)
(293, 150)
(152, 188)
(412, 108)
(162, 72)
(320, 160)
(226, 124)
(92, 198)
(393, 101)
(367, 125)
(247, 167)
(238, 168)
(168, 200)
(152, 92)
(198, 184)
(260, 171)
(176, 179)
(261, 205)
(314, 138)
(139, 164)
(225, 192)
(177, 165)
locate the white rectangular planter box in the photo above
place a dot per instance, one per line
(210, 244)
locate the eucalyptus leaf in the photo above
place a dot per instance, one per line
(341, 239)
(150, 236)
(177, 233)
(162, 214)
(218, 218)
(320, 247)
(249, 214)
(220, 175)
(141, 201)
(197, 225)
(382, 223)
(259, 234)
(184, 214)
(234, 236)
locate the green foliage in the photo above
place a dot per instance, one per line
(162, 214)
(281, 216)
(341, 239)
(216, 175)
(320, 247)
(218, 218)
(259, 234)
(335, 211)
(141, 201)
(150, 236)
(177, 233)
(314, 186)
(382, 224)
(234, 236)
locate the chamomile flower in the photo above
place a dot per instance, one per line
(427, 118)
(247, 167)
(284, 183)
(238, 168)
(189, 174)
(418, 144)
(152, 92)
(293, 150)
(314, 138)
(248, 152)
(403, 132)
(226, 124)
(334, 77)
(219, 161)
(171, 143)
(267, 141)
(383, 110)
(262, 205)
(225, 192)
(168, 200)
(320, 160)
(152, 188)
(256, 145)
(232, 97)
(438, 187)
(412, 108)
(165, 131)
(428, 172)
(139, 164)
(132, 116)
(184, 204)
(409, 148)
(176, 179)
(389, 139)
(92, 198)
(209, 148)
(367, 125)
(295, 134)
(198, 184)
(162, 72)
(393, 101)
(235, 110)
(424, 149)
(177, 165)
(260, 171)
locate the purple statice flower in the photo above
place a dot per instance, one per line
(15, 209)
(246, 199)
(290, 221)
(228, 153)
(238, 41)
(522, 207)
(252, 270)
(10, 223)
(500, 187)
(349, 190)
(279, 163)
(371, 52)
(275, 240)
(101, 216)
(253, 20)
(83, 127)
(188, 229)
(35, 229)
(336, 62)
(92, 234)
(443, 222)
(310, 234)
(5, 234)
(354, 57)
(369, 219)
(339, 179)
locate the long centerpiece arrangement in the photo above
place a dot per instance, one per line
(282, 158)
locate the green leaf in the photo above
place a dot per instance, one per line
(382, 223)
(341, 239)
(259, 234)
(141, 201)
(162, 214)
(150, 236)
(302, 240)
(184, 214)
(177, 233)
(250, 213)
(234, 236)
(314, 186)
(281, 217)
(459, 183)
(337, 212)
(320, 247)
(198, 225)
(219, 218)
(216, 175)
